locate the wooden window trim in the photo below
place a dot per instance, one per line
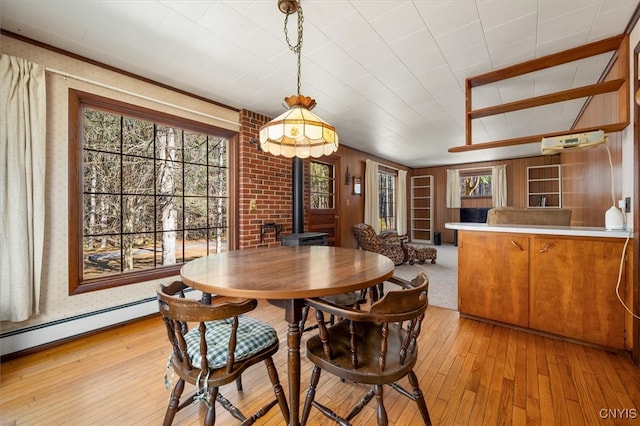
(334, 186)
(77, 284)
(394, 175)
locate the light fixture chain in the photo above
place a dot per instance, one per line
(297, 49)
(298, 132)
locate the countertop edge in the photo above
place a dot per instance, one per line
(579, 231)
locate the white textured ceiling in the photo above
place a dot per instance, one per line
(389, 75)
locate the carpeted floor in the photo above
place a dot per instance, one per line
(443, 276)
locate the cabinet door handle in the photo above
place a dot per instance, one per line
(545, 248)
(516, 245)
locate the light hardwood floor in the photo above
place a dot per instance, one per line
(470, 372)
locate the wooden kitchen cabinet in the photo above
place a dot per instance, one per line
(493, 276)
(573, 289)
(564, 285)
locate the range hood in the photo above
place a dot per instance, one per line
(557, 144)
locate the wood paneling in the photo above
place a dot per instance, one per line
(351, 206)
(516, 188)
(586, 174)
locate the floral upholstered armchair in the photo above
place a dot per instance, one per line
(390, 246)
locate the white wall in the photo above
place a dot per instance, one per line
(63, 315)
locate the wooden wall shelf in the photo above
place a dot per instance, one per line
(618, 86)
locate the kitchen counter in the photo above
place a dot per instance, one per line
(560, 280)
(577, 231)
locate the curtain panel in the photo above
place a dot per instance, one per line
(402, 202)
(499, 186)
(22, 186)
(453, 189)
(371, 202)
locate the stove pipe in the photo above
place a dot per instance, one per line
(298, 201)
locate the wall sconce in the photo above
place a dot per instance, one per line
(347, 177)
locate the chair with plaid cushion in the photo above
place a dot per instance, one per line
(223, 344)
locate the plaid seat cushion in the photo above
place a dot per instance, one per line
(253, 336)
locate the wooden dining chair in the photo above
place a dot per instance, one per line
(352, 299)
(221, 346)
(375, 346)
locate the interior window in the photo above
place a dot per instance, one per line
(387, 200)
(322, 192)
(475, 185)
(151, 193)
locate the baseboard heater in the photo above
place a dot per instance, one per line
(41, 334)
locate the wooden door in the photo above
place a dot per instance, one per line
(573, 289)
(493, 276)
(324, 195)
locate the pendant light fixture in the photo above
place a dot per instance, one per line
(297, 132)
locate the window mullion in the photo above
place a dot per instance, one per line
(155, 194)
(183, 224)
(121, 193)
(118, 143)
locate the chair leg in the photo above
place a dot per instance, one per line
(239, 384)
(277, 388)
(381, 413)
(174, 402)
(419, 398)
(380, 290)
(210, 418)
(311, 394)
(227, 405)
(303, 319)
(373, 293)
(355, 410)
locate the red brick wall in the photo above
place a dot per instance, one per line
(267, 179)
(264, 178)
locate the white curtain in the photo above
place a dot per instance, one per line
(401, 194)
(22, 184)
(499, 186)
(453, 189)
(371, 202)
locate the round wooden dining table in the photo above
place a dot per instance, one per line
(287, 275)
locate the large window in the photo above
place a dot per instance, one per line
(387, 200)
(322, 191)
(151, 192)
(475, 184)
